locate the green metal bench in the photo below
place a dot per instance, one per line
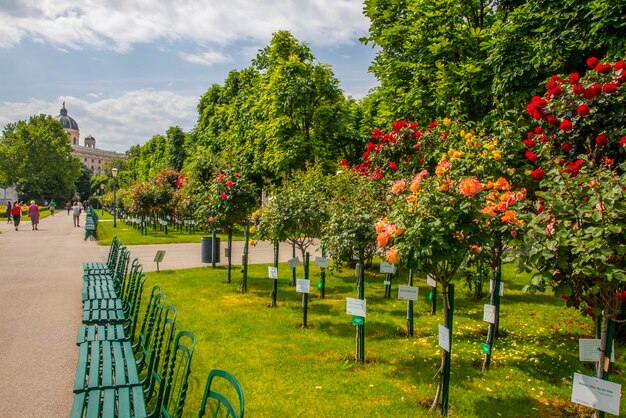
(165, 398)
(98, 267)
(220, 399)
(113, 364)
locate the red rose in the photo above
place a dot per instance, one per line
(529, 143)
(538, 130)
(592, 62)
(598, 68)
(622, 141)
(566, 125)
(432, 124)
(532, 157)
(589, 93)
(574, 78)
(582, 110)
(344, 163)
(620, 65)
(601, 140)
(393, 165)
(610, 88)
(541, 207)
(224, 196)
(578, 89)
(566, 147)
(606, 68)
(597, 88)
(573, 168)
(220, 178)
(229, 184)
(552, 120)
(538, 174)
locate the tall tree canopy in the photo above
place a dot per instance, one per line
(284, 110)
(35, 156)
(465, 58)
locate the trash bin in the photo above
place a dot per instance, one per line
(207, 250)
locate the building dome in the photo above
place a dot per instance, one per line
(67, 121)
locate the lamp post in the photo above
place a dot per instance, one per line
(102, 199)
(114, 174)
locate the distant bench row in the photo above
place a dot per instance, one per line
(133, 364)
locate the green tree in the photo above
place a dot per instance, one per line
(83, 182)
(35, 156)
(175, 147)
(297, 210)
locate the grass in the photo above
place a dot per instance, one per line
(286, 370)
(131, 236)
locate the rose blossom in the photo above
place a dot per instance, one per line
(538, 173)
(566, 125)
(592, 62)
(399, 186)
(582, 110)
(531, 156)
(470, 187)
(601, 140)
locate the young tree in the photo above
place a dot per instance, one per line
(35, 156)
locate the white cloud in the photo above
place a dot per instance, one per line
(118, 25)
(117, 123)
(207, 58)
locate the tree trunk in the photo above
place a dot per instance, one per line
(446, 310)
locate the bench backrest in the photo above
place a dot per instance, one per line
(178, 376)
(113, 253)
(151, 319)
(154, 376)
(221, 400)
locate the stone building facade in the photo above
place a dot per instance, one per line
(92, 157)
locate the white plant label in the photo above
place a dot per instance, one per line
(493, 284)
(444, 338)
(596, 393)
(589, 349)
(408, 292)
(303, 286)
(430, 281)
(356, 307)
(293, 263)
(489, 314)
(321, 262)
(272, 272)
(387, 268)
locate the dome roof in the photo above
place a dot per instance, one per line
(67, 121)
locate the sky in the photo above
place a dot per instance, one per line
(129, 69)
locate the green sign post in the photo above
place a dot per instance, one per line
(244, 280)
(305, 296)
(361, 327)
(604, 368)
(293, 270)
(409, 309)
(446, 371)
(228, 254)
(322, 285)
(493, 327)
(433, 299)
(213, 248)
(275, 284)
(388, 286)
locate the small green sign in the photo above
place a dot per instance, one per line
(358, 320)
(486, 348)
(386, 282)
(319, 285)
(430, 295)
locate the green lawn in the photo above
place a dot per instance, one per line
(286, 370)
(131, 236)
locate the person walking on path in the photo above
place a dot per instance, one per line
(68, 206)
(53, 206)
(9, 212)
(33, 213)
(16, 213)
(76, 209)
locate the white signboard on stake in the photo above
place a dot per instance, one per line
(321, 262)
(596, 393)
(589, 349)
(430, 281)
(408, 292)
(272, 272)
(303, 286)
(489, 314)
(444, 338)
(293, 263)
(356, 307)
(493, 284)
(387, 268)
